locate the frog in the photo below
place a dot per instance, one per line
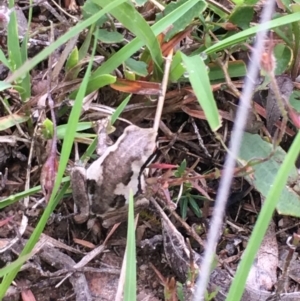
(102, 189)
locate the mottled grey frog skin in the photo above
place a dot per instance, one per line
(109, 179)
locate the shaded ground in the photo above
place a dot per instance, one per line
(163, 253)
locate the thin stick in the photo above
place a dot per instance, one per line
(161, 98)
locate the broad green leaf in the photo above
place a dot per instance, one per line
(47, 129)
(133, 21)
(73, 59)
(128, 50)
(295, 100)
(80, 126)
(235, 69)
(263, 176)
(96, 83)
(185, 19)
(238, 2)
(89, 9)
(295, 7)
(250, 2)
(138, 67)
(283, 56)
(109, 37)
(99, 82)
(242, 16)
(263, 221)
(139, 2)
(198, 76)
(4, 86)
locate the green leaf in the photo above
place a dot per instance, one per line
(235, 69)
(73, 59)
(8, 121)
(96, 83)
(199, 80)
(133, 21)
(243, 35)
(295, 7)
(130, 276)
(120, 109)
(139, 2)
(295, 100)
(183, 207)
(29, 64)
(47, 129)
(262, 223)
(4, 60)
(250, 2)
(238, 2)
(264, 173)
(109, 37)
(195, 207)
(181, 169)
(80, 126)
(4, 85)
(89, 9)
(14, 264)
(185, 20)
(242, 16)
(283, 56)
(128, 50)
(138, 67)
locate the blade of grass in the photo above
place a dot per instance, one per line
(15, 52)
(120, 109)
(243, 35)
(4, 60)
(199, 80)
(29, 64)
(262, 223)
(132, 20)
(4, 86)
(14, 264)
(128, 50)
(130, 276)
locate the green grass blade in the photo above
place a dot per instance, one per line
(199, 80)
(4, 86)
(130, 276)
(120, 109)
(128, 50)
(28, 65)
(132, 20)
(14, 264)
(262, 223)
(4, 60)
(16, 53)
(243, 35)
